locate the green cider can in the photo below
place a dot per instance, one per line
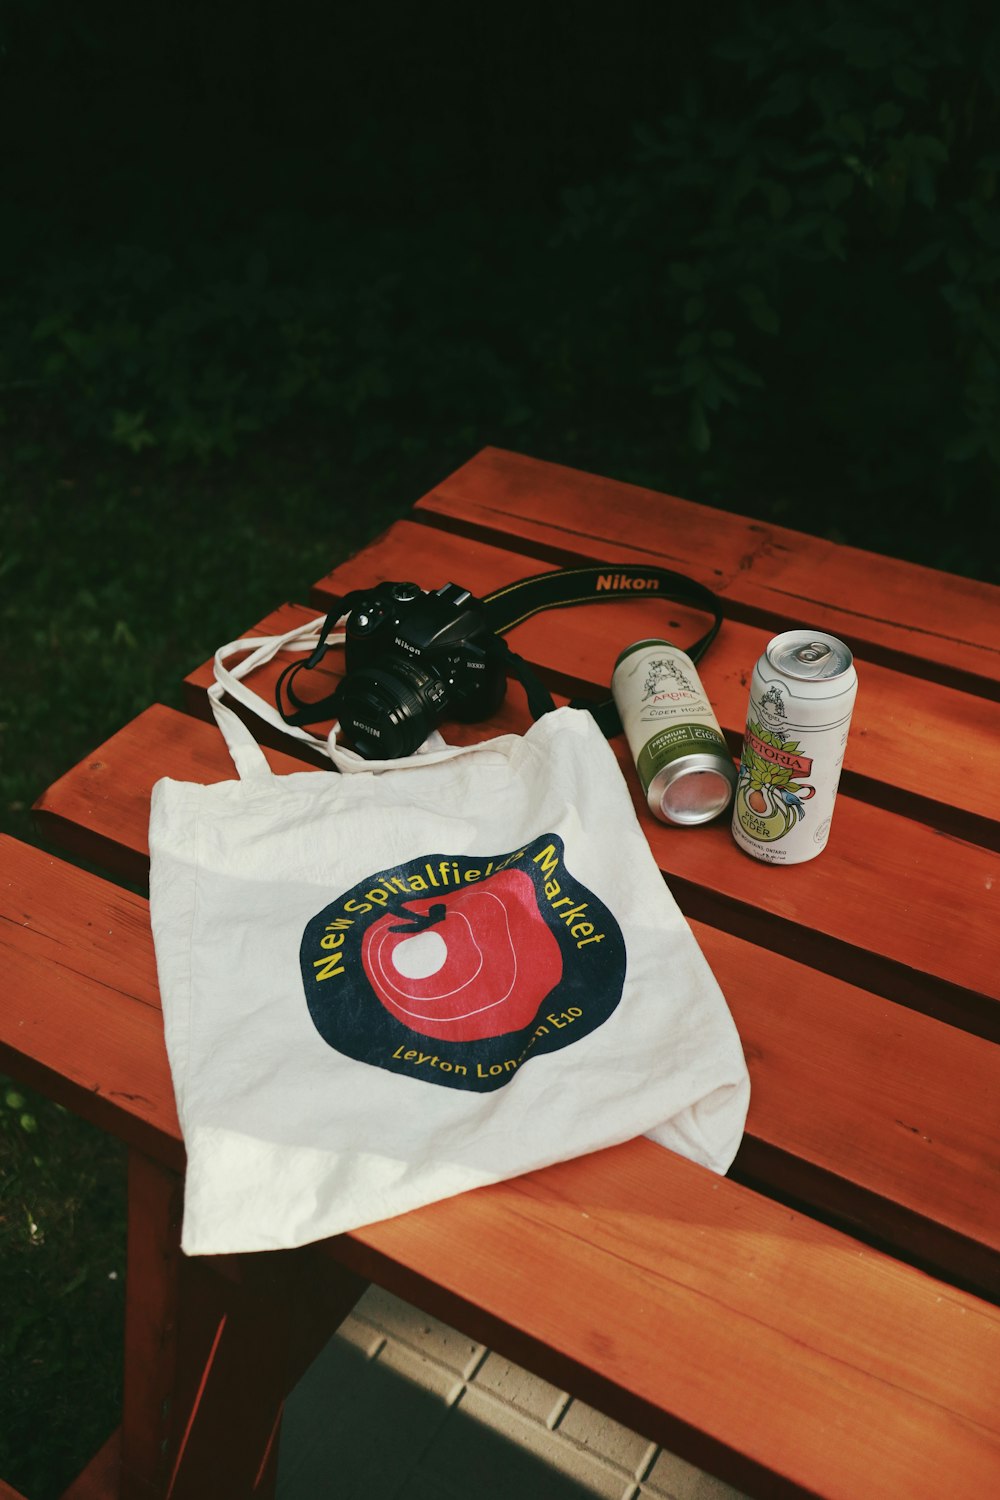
(684, 765)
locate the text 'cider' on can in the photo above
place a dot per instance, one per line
(802, 696)
(684, 764)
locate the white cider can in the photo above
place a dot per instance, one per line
(684, 765)
(802, 696)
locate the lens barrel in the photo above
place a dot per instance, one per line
(388, 712)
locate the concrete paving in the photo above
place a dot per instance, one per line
(401, 1407)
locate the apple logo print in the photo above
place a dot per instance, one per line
(459, 969)
(473, 963)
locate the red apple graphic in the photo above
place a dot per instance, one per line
(466, 964)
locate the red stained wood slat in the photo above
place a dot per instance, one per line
(687, 1296)
(937, 957)
(775, 1350)
(855, 1096)
(929, 622)
(872, 934)
(916, 747)
(99, 810)
(905, 1106)
(720, 1326)
(81, 1017)
(101, 1478)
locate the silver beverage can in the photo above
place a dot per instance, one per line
(684, 764)
(802, 696)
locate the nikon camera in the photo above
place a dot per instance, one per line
(414, 659)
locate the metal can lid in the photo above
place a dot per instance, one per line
(809, 655)
(700, 788)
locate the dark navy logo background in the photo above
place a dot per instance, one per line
(459, 969)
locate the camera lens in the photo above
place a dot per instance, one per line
(388, 712)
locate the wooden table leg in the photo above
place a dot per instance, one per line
(212, 1347)
(152, 1305)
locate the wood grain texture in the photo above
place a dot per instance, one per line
(81, 1018)
(916, 746)
(151, 1400)
(929, 622)
(101, 1479)
(684, 1294)
(99, 810)
(213, 1345)
(743, 1335)
(857, 1113)
(915, 912)
(881, 1118)
(747, 1335)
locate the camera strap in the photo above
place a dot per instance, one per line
(591, 584)
(303, 711)
(511, 605)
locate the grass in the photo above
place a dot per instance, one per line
(336, 286)
(62, 1277)
(117, 579)
(120, 574)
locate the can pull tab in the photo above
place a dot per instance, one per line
(814, 654)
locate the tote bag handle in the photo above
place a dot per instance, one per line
(248, 757)
(251, 763)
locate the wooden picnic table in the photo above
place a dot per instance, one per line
(823, 1320)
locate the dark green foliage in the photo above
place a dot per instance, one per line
(267, 272)
(117, 579)
(62, 1275)
(759, 267)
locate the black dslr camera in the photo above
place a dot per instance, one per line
(414, 659)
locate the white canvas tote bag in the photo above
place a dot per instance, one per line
(393, 984)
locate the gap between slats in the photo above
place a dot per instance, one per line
(815, 1005)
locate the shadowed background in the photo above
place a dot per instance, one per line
(267, 272)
